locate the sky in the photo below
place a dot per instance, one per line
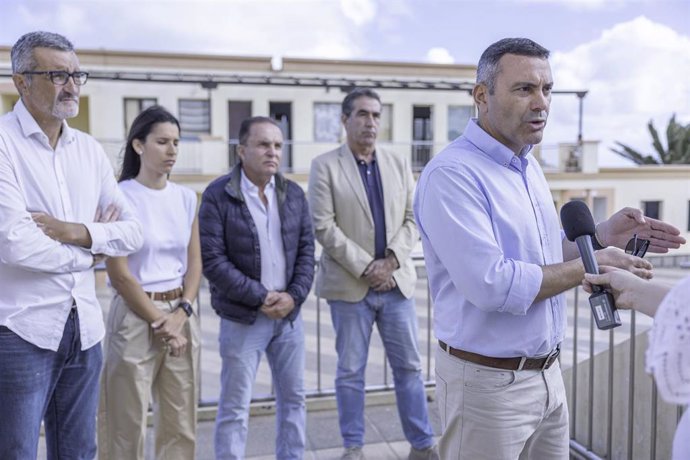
(633, 56)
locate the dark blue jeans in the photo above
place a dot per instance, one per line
(60, 387)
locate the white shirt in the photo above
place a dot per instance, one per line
(267, 221)
(668, 358)
(166, 217)
(42, 278)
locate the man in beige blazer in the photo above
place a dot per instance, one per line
(361, 200)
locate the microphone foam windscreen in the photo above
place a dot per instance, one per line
(576, 220)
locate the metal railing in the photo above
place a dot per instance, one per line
(615, 411)
(320, 346)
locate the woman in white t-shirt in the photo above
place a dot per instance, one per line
(152, 336)
(668, 354)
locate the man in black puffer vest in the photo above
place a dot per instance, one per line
(257, 245)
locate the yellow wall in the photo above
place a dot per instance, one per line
(80, 122)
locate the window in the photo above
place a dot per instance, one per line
(327, 125)
(599, 208)
(422, 136)
(386, 124)
(281, 112)
(195, 117)
(652, 209)
(238, 111)
(458, 116)
(133, 107)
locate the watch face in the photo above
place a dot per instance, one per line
(187, 307)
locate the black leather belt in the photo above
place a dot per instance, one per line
(511, 364)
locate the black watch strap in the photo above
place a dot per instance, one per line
(187, 307)
(596, 245)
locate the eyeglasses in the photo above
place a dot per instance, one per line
(637, 246)
(60, 77)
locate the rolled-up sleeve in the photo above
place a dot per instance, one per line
(464, 241)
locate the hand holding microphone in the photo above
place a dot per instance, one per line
(578, 225)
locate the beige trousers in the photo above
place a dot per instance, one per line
(494, 414)
(136, 367)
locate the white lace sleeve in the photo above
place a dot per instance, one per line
(668, 355)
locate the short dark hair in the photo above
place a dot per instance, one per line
(22, 54)
(349, 101)
(141, 127)
(247, 124)
(487, 69)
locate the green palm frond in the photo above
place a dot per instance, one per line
(676, 152)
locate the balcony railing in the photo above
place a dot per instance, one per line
(615, 411)
(614, 407)
(214, 156)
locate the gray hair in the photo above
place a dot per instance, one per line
(22, 52)
(487, 69)
(349, 101)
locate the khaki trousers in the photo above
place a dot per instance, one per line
(136, 367)
(495, 414)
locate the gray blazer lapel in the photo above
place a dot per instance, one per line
(353, 177)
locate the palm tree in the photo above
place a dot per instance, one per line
(677, 140)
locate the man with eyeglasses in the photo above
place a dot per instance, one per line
(60, 213)
(498, 266)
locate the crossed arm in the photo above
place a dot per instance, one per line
(73, 233)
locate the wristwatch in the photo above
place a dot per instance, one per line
(186, 305)
(596, 243)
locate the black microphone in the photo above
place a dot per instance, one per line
(578, 225)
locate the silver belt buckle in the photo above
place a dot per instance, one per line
(551, 358)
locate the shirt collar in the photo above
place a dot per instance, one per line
(357, 160)
(249, 186)
(30, 127)
(490, 146)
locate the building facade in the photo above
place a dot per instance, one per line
(424, 107)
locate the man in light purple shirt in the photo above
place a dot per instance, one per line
(495, 259)
(60, 212)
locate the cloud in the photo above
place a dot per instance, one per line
(635, 72)
(439, 55)
(587, 5)
(358, 11)
(282, 27)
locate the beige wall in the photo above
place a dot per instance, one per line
(630, 187)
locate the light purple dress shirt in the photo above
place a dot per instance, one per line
(488, 223)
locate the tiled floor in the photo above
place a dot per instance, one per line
(384, 437)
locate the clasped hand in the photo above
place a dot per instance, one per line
(379, 274)
(277, 305)
(168, 328)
